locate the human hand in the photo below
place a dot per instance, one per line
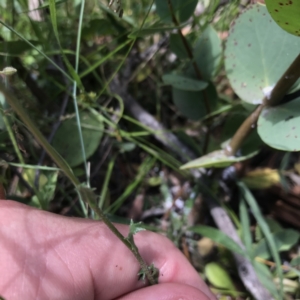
(47, 256)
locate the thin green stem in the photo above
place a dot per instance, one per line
(74, 93)
(118, 68)
(37, 49)
(85, 192)
(16, 106)
(106, 181)
(11, 135)
(196, 69)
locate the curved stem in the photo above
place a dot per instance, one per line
(290, 76)
(86, 193)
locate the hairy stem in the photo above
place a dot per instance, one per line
(90, 197)
(86, 193)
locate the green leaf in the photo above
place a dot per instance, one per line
(218, 237)
(29, 177)
(75, 76)
(149, 31)
(216, 159)
(295, 262)
(52, 7)
(191, 104)
(98, 27)
(16, 47)
(18, 108)
(279, 126)
(134, 228)
(273, 225)
(284, 240)
(218, 276)
(125, 146)
(66, 140)
(257, 53)
(266, 278)
(46, 191)
(176, 45)
(286, 14)
(184, 83)
(207, 53)
(246, 194)
(245, 224)
(183, 9)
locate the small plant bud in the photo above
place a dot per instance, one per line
(8, 71)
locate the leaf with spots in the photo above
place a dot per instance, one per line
(286, 13)
(257, 53)
(279, 126)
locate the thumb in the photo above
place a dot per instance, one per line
(167, 291)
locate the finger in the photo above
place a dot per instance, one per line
(46, 254)
(167, 291)
(172, 265)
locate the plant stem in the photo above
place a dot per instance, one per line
(75, 96)
(196, 69)
(90, 197)
(16, 106)
(86, 193)
(11, 135)
(286, 81)
(243, 131)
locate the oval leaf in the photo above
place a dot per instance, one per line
(191, 104)
(279, 126)
(218, 276)
(184, 83)
(176, 45)
(207, 53)
(284, 240)
(66, 140)
(286, 14)
(183, 9)
(257, 53)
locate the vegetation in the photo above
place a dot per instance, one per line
(162, 111)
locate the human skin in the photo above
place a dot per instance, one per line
(47, 256)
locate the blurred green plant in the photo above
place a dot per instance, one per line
(76, 48)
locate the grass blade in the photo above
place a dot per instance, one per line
(245, 222)
(52, 8)
(246, 194)
(106, 181)
(219, 237)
